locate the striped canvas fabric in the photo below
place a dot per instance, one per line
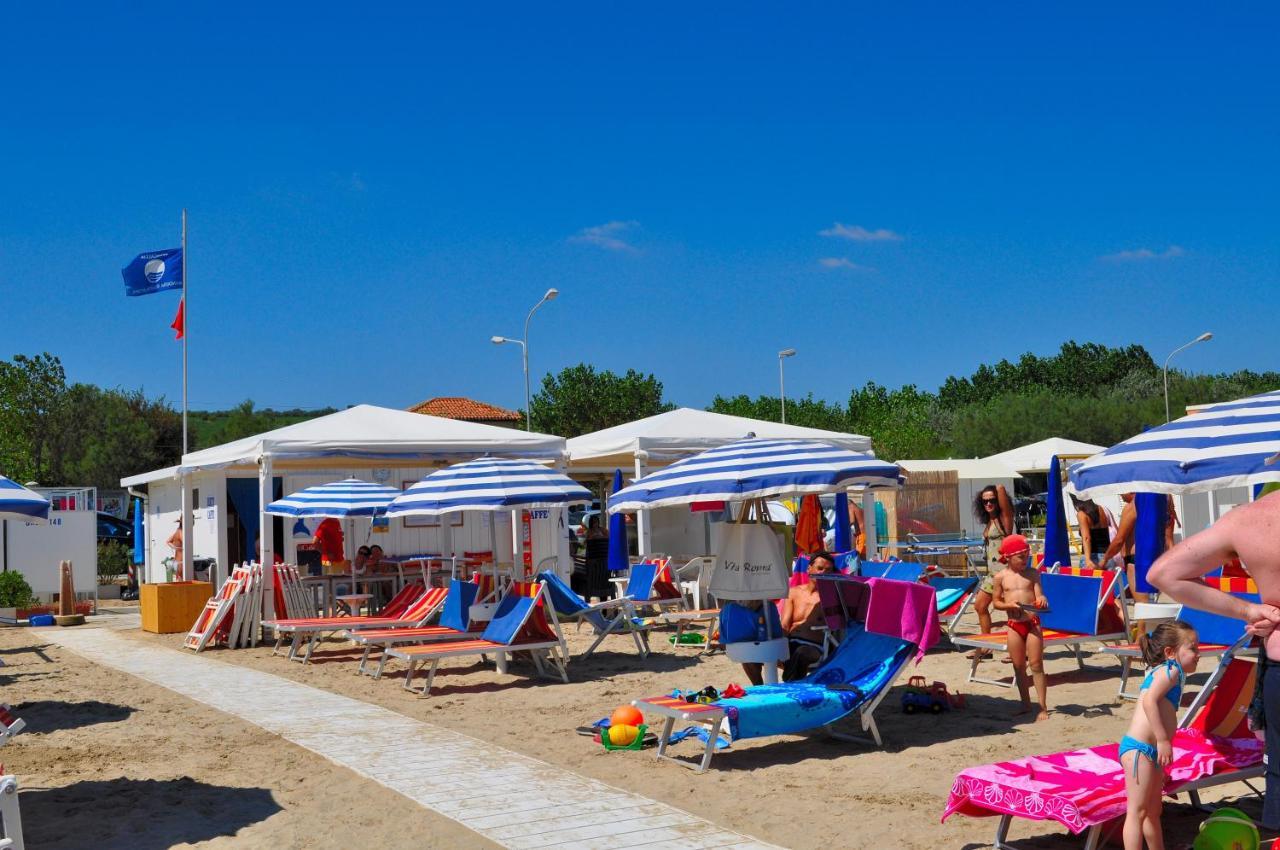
(1231, 444)
(755, 468)
(19, 503)
(488, 484)
(350, 497)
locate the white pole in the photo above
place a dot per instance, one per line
(782, 390)
(642, 515)
(869, 522)
(266, 536)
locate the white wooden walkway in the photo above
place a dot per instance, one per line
(511, 799)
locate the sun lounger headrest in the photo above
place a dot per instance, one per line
(456, 613)
(1073, 602)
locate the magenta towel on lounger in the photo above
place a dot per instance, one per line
(1082, 788)
(907, 610)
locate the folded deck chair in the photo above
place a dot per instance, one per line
(1217, 634)
(1084, 789)
(524, 622)
(613, 616)
(458, 620)
(1082, 609)
(896, 570)
(424, 604)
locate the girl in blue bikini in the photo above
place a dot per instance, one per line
(1171, 651)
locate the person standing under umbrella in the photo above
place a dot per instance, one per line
(1249, 533)
(597, 544)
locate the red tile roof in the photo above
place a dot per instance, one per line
(456, 407)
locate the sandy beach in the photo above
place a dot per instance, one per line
(103, 744)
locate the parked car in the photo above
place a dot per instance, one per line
(113, 529)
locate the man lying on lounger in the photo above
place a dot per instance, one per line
(1250, 533)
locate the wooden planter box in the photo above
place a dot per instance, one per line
(173, 607)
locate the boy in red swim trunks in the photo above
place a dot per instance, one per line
(1017, 586)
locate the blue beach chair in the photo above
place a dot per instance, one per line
(1082, 609)
(613, 616)
(524, 622)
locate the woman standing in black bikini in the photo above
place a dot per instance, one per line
(1095, 533)
(994, 510)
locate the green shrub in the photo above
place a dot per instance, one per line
(14, 590)
(113, 560)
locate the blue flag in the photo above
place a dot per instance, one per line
(154, 271)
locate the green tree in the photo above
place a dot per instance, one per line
(580, 400)
(902, 423)
(31, 390)
(100, 436)
(806, 412)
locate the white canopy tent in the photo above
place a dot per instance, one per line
(360, 437)
(658, 440)
(1035, 457)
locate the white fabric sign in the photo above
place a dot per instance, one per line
(750, 564)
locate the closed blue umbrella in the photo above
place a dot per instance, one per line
(617, 532)
(1057, 548)
(1148, 536)
(139, 552)
(1231, 444)
(843, 540)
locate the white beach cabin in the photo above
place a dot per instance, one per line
(228, 485)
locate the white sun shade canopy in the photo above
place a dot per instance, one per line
(685, 431)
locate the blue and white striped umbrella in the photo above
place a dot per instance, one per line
(1231, 444)
(17, 502)
(753, 469)
(349, 498)
(488, 484)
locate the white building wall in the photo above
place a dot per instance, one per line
(35, 550)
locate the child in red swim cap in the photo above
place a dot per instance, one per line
(1016, 586)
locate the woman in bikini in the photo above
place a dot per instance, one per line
(1171, 651)
(994, 510)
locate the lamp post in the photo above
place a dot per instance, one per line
(782, 383)
(1204, 337)
(524, 352)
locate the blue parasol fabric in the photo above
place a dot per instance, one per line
(1148, 536)
(617, 532)
(1057, 547)
(843, 540)
(139, 555)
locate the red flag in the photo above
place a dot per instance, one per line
(179, 321)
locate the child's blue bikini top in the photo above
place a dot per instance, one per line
(1175, 693)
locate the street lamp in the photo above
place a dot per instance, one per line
(524, 352)
(782, 384)
(1204, 337)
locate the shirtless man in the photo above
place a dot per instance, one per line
(1250, 533)
(1012, 588)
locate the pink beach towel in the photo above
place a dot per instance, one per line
(1086, 787)
(907, 610)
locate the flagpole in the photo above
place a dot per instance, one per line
(185, 447)
(185, 569)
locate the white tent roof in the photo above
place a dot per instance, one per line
(371, 434)
(1036, 456)
(980, 468)
(686, 431)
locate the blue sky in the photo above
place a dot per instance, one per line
(898, 193)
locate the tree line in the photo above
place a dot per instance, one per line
(59, 434)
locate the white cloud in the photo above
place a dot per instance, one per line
(609, 236)
(843, 263)
(858, 233)
(1138, 255)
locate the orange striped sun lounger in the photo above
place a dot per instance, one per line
(458, 621)
(415, 614)
(1083, 609)
(524, 622)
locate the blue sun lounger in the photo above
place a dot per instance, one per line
(854, 679)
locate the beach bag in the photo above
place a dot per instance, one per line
(750, 565)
